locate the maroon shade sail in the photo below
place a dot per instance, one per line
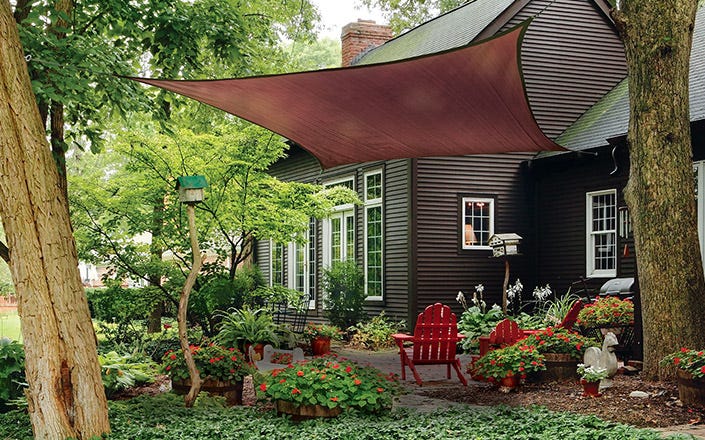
(469, 100)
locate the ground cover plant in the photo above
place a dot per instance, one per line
(165, 417)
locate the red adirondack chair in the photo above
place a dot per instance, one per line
(434, 342)
(505, 333)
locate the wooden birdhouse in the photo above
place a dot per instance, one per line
(191, 188)
(504, 244)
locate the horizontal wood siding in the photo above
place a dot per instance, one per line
(571, 56)
(442, 268)
(300, 166)
(561, 188)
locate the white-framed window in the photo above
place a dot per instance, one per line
(374, 235)
(601, 233)
(302, 264)
(339, 229)
(276, 263)
(477, 224)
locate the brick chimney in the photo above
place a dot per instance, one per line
(362, 36)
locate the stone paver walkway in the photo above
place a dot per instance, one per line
(435, 376)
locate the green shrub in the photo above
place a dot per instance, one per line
(376, 333)
(245, 326)
(343, 284)
(120, 372)
(117, 304)
(12, 376)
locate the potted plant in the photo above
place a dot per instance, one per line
(590, 377)
(320, 336)
(607, 312)
(222, 370)
(325, 386)
(244, 327)
(562, 350)
(507, 366)
(691, 375)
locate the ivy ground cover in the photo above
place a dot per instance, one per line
(164, 417)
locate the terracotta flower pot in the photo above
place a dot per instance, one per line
(512, 382)
(320, 345)
(691, 390)
(590, 389)
(302, 412)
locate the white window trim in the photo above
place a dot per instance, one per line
(462, 222)
(342, 215)
(590, 270)
(700, 200)
(329, 183)
(272, 243)
(373, 203)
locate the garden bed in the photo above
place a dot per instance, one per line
(661, 409)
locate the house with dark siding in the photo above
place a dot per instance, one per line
(421, 233)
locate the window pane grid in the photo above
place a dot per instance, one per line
(477, 222)
(373, 258)
(312, 259)
(602, 244)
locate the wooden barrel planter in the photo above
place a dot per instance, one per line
(559, 366)
(691, 390)
(231, 390)
(303, 412)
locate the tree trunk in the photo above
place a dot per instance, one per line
(154, 323)
(190, 398)
(660, 193)
(65, 396)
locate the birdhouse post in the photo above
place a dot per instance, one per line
(503, 246)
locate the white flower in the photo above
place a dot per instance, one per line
(460, 298)
(479, 289)
(541, 293)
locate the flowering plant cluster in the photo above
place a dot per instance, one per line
(692, 361)
(312, 331)
(592, 373)
(330, 382)
(607, 311)
(213, 361)
(519, 358)
(560, 340)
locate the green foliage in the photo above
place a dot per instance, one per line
(246, 326)
(266, 295)
(559, 341)
(120, 372)
(375, 334)
(165, 417)
(213, 361)
(558, 308)
(518, 359)
(118, 304)
(474, 323)
(343, 284)
(330, 382)
(12, 376)
(405, 15)
(592, 373)
(312, 331)
(607, 311)
(692, 361)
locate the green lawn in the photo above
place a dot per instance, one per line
(10, 325)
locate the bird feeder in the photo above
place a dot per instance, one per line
(191, 188)
(504, 244)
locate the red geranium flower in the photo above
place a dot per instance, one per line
(263, 387)
(295, 391)
(299, 373)
(357, 381)
(380, 390)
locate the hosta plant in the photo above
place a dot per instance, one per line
(692, 361)
(518, 359)
(120, 372)
(330, 382)
(214, 361)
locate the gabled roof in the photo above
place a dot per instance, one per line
(609, 117)
(453, 29)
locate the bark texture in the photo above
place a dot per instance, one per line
(190, 398)
(660, 194)
(66, 396)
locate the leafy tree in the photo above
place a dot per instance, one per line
(657, 39)
(404, 15)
